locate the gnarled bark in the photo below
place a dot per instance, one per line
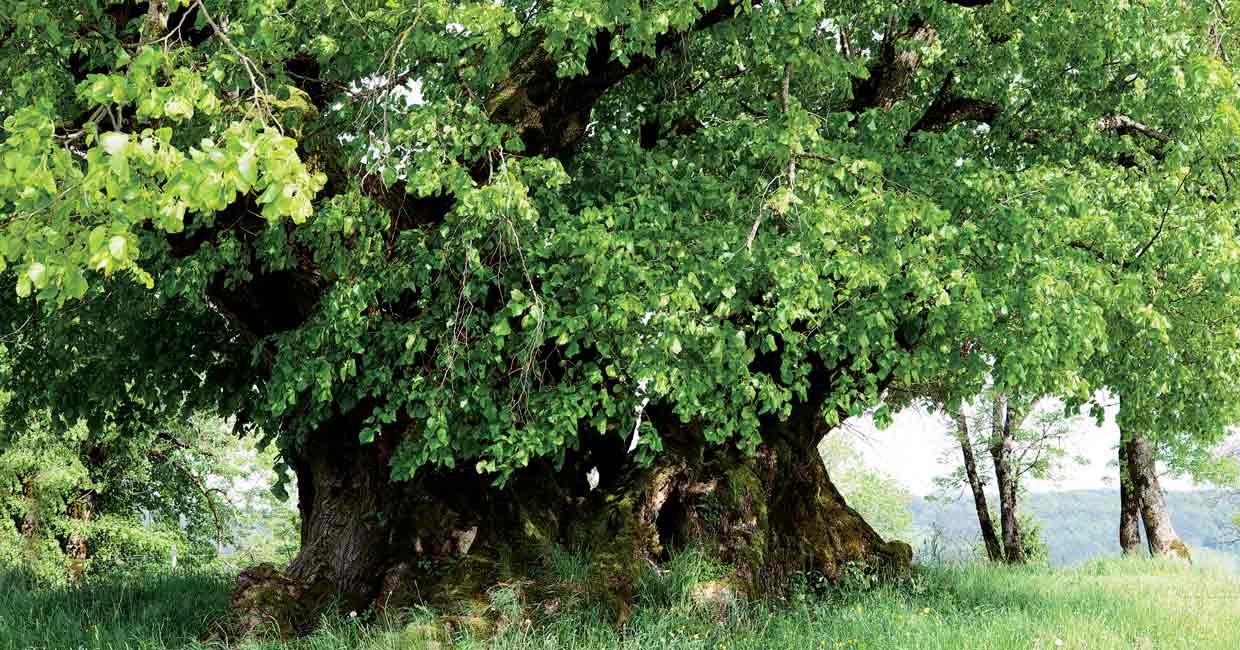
(445, 537)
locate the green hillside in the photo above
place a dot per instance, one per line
(1077, 524)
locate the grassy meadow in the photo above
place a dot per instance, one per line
(1102, 604)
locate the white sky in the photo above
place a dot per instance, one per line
(911, 450)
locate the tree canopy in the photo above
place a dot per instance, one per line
(446, 212)
(487, 235)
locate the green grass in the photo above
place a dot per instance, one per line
(1099, 605)
(153, 611)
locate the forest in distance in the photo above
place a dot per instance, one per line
(1076, 525)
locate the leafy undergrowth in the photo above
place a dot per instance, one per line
(1102, 604)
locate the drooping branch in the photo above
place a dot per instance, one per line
(548, 112)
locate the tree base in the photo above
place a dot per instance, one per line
(447, 540)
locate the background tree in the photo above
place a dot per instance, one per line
(977, 486)
(882, 500)
(77, 503)
(266, 524)
(1024, 442)
(1076, 525)
(456, 255)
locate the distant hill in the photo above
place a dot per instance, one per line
(1077, 524)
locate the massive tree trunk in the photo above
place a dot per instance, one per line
(1001, 451)
(1159, 533)
(1129, 505)
(994, 552)
(445, 537)
(441, 536)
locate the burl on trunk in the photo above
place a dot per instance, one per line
(445, 537)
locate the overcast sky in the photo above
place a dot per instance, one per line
(912, 450)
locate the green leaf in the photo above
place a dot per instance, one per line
(37, 273)
(114, 143)
(118, 247)
(23, 286)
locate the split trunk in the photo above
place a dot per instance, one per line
(1146, 496)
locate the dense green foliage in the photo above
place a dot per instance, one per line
(468, 245)
(77, 503)
(123, 500)
(882, 500)
(1103, 605)
(1078, 525)
(439, 217)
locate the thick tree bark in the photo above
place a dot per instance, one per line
(994, 552)
(1159, 533)
(1129, 505)
(29, 521)
(891, 71)
(447, 536)
(77, 550)
(1001, 450)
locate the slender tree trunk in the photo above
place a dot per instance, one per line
(1001, 451)
(1129, 505)
(77, 550)
(30, 520)
(994, 552)
(1159, 533)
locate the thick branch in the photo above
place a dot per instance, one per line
(1124, 125)
(890, 74)
(550, 112)
(949, 109)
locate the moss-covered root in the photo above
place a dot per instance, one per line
(265, 599)
(767, 516)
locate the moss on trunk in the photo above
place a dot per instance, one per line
(447, 539)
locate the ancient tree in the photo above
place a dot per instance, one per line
(455, 256)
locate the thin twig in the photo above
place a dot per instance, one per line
(251, 69)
